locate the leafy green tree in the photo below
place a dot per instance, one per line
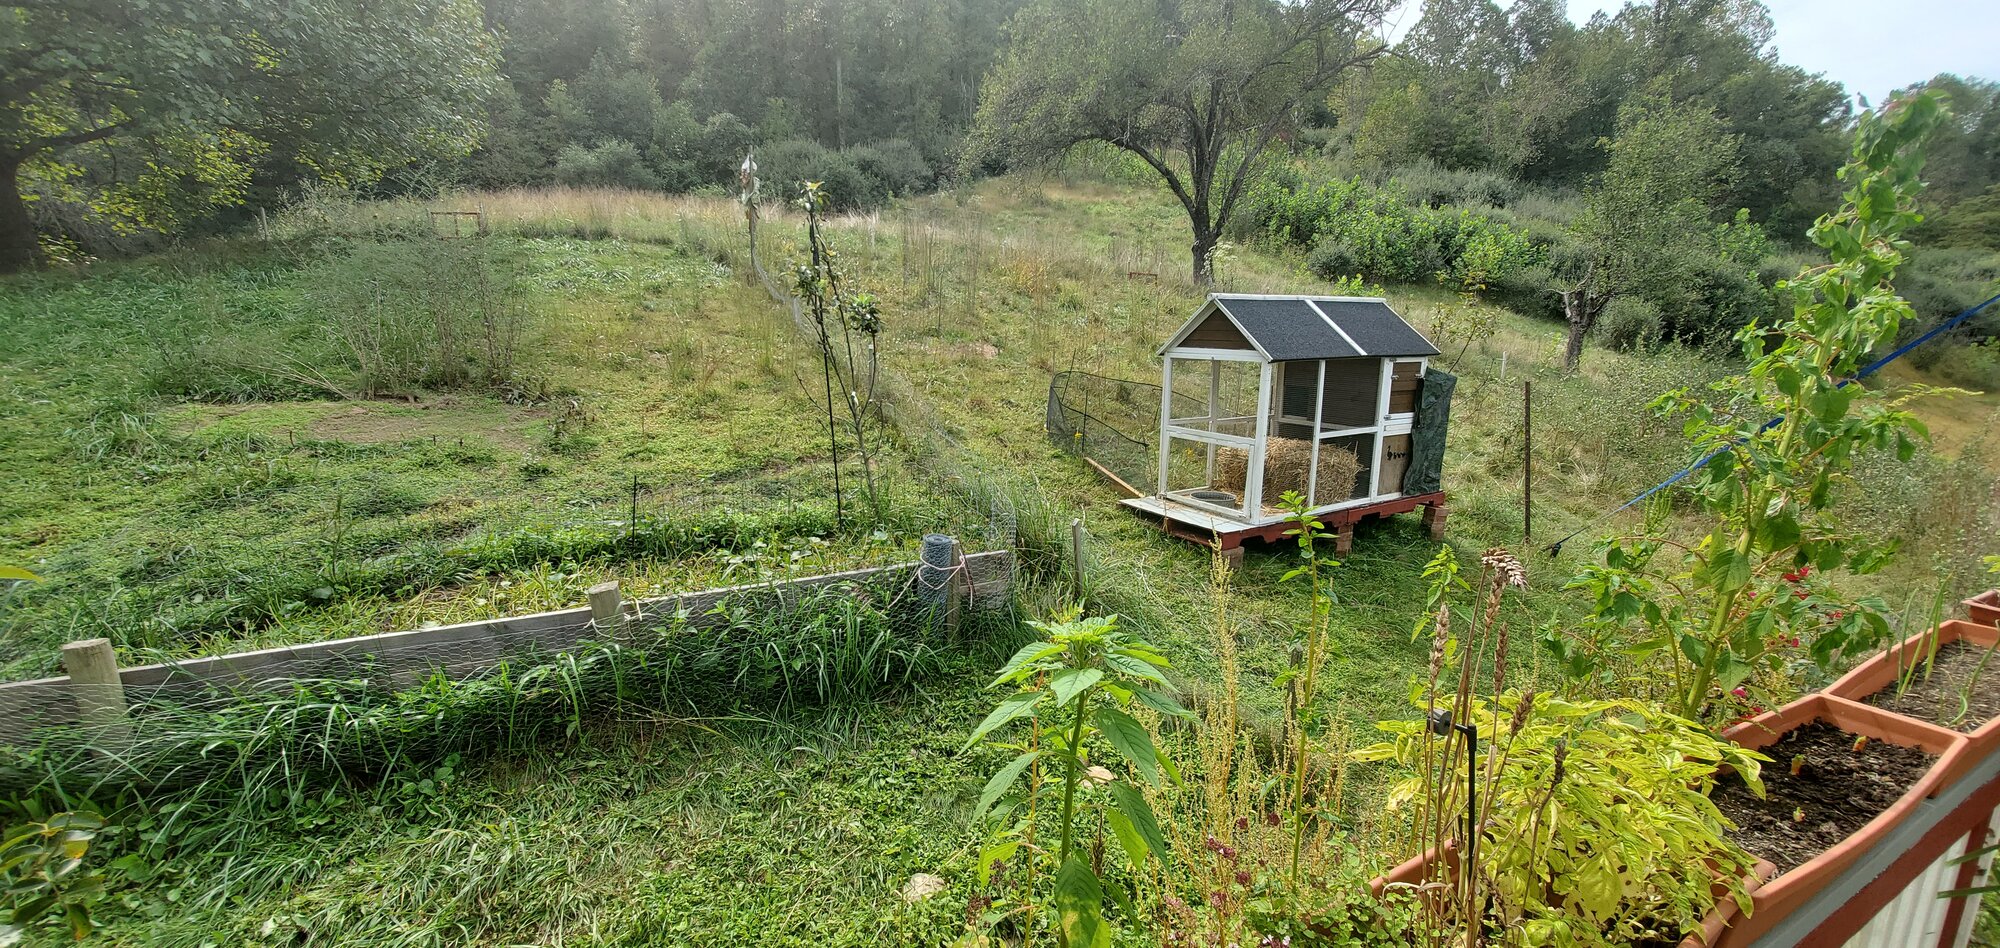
(125, 107)
(1964, 160)
(676, 147)
(1650, 219)
(1973, 222)
(1197, 89)
(615, 101)
(519, 146)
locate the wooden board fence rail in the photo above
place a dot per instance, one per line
(402, 659)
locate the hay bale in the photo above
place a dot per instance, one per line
(1286, 464)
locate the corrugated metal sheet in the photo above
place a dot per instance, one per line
(1969, 919)
(1915, 919)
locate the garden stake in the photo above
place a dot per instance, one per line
(1441, 725)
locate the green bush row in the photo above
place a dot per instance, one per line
(1352, 227)
(856, 177)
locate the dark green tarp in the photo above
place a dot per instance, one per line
(1426, 471)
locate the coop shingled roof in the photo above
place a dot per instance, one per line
(1289, 328)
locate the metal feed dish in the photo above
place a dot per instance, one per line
(1214, 496)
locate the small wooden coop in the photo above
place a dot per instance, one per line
(1329, 396)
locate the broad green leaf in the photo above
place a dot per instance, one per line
(1693, 649)
(1128, 838)
(1731, 671)
(1079, 904)
(1006, 711)
(1132, 803)
(1144, 651)
(1000, 781)
(998, 852)
(1029, 654)
(1161, 703)
(15, 572)
(1067, 684)
(1131, 739)
(1136, 667)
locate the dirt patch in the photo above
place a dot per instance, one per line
(1836, 792)
(379, 424)
(1961, 692)
(443, 417)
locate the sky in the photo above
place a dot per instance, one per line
(1869, 46)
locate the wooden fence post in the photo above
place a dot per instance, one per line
(1527, 462)
(958, 596)
(607, 607)
(1076, 555)
(99, 692)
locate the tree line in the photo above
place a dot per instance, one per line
(1658, 154)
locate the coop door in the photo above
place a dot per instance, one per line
(1395, 461)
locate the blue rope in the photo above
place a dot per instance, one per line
(1865, 372)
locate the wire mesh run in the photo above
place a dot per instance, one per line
(1113, 422)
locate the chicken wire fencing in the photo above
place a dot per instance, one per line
(1113, 423)
(288, 717)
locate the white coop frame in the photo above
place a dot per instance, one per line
(1343, 408)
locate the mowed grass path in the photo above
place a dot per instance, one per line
(255, 511)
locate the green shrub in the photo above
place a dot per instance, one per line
(612, 163)
(1376, 232)
(1432, 185)
(1331, 259)
(1940, 283)
(1630, 323)
(896, 164)
(1530, 291)
(787, 165)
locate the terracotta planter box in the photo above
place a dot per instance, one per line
(1776, 899)
(1985, 607)
(1413, 872)
(1881, 672)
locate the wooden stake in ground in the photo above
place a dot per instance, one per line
(1527, 462)
(99, 692)
(607, 607)
(1076, 555)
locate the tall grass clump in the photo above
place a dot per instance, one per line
(423, 312)
(209, 767)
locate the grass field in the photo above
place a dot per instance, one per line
(182, 474)
(179, 475)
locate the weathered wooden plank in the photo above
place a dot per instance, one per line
(462, 649)
(250, 666)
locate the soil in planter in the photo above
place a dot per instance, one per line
(1936, 698)
(1836, 793)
